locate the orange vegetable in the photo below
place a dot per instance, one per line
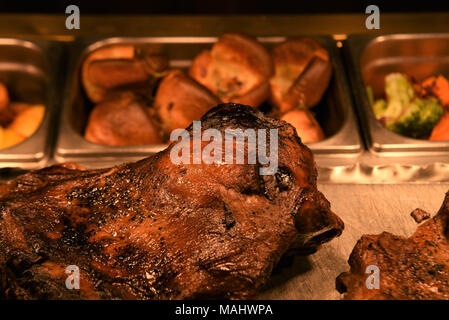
(28, 120)
(9, 138)
(428, 82)
(439, 87)
(4, 97)
(441, 131)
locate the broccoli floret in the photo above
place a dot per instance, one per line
(369, 92)
(399, 93)
(398, 88)
(391, 113)
(379, 108)
(418, 119)
(404, 113)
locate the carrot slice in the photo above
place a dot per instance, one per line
(439, 86)
(442, 90)
(441, 131)
(429, 82)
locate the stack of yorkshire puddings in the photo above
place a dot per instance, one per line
(138, 100)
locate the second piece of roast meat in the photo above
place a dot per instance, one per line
(409, 268)
(157, 230)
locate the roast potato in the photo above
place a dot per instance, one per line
(307, 128)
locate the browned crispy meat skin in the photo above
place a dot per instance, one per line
(156, 230)
(410, 268)
(419, 215)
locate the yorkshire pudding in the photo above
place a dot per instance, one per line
(120, 68)
(236, 69)
(302, 74)
(180, 100)
(122, 120)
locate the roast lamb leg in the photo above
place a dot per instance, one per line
(158, 230)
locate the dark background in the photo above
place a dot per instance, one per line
(220, 7)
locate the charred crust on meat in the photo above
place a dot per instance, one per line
(411, 268)
(419, 215)
(228, 220)
(155, 230)
(283, 178)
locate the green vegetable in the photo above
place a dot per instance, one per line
(418, 119)
(403, 112)
(391, 113)
(369, 92)
(379, 108)
(398, 88)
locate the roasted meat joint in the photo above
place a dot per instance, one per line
(153, 229)
(413, 268)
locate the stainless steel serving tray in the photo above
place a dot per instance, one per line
(335, 112)
(29, 70)
(370, 59)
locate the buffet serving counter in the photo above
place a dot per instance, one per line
(372, 178)
(340, 158)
